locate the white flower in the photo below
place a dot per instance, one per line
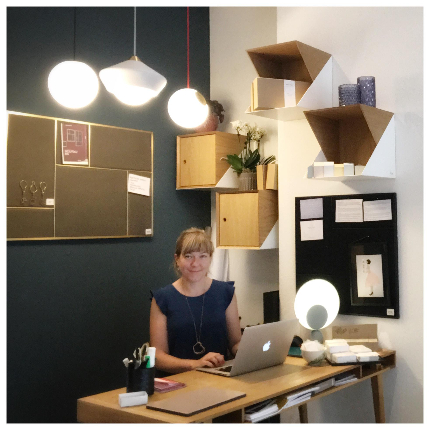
(236, 125)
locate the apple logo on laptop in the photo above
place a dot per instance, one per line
(266, 346)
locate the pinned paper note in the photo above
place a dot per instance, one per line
(138, 184)
(349, 210)
(311, 230)
(377, 210)
(311, 208)
(289, 93)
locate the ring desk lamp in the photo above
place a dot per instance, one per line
(316, 306)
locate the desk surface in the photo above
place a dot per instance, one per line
(260, 385)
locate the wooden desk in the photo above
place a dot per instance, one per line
(293, 375)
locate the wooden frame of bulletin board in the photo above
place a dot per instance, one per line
(81, 193)
(351, 241)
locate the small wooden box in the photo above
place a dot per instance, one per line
(198, 161)
(244, 220)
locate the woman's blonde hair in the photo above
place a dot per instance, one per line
(193, 240)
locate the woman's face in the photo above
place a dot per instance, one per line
(193, 266)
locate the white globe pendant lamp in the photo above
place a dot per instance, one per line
(132, 82)
(187, 107)
(73, 84)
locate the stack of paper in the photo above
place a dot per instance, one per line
(164, 385)
(261, 411)
(350, 377)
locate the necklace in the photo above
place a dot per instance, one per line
(198, 348)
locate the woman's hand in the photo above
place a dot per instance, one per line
(211, 359)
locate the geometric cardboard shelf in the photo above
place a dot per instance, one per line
(295, 61)
(358, 134)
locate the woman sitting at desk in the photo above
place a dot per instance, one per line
(194, 322)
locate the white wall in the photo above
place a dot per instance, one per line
(383, 42)
(232, 32)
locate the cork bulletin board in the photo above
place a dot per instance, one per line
(77, 187)
(351, 241)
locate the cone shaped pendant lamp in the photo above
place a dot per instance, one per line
(73, 84)
(132, 82)
(187, 107)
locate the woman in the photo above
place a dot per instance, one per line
(194, 322)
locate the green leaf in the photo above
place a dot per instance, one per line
(235, 162)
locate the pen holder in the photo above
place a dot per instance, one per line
(141, 379)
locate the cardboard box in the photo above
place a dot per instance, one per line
(338, 170)
(272, 177)
(261, 177)
(328, 169)
(319, 169)
(268, 93)
(359, 170)
(348, 169)
(361, 334)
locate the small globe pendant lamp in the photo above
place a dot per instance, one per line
(316, 306)
(132, 82)
(73, 84)
(187, 107)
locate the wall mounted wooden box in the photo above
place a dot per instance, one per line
(247, 219)
(295, 61)
(198, 160)
(80, 201)
(358, 134)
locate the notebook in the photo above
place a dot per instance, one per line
(195, 401)
(261, 346)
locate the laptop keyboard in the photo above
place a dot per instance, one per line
(225, 369)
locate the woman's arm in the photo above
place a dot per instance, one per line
(233, 325)
(165, 361)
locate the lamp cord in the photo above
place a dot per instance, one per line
(74, 33)
(134, 50)
(188, 47)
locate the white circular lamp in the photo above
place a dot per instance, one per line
(316, 306)
(73, 84)
(188, 108)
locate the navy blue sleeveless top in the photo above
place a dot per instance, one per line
(180, 328)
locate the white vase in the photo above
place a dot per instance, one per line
(247, 181)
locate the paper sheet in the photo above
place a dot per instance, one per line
(349, 210)
(289, 93)
(138, 184)
(311, 208)
(311, 230)
(377, 210)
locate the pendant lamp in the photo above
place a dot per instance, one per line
(132, 82)
(187, 107)
(73, 84)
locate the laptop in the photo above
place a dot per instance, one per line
(261, 346)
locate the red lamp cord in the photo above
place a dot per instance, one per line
(188, 47)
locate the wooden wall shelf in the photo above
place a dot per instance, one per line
(199, 163)
(247, 219)
(295, 61)
(358, 134)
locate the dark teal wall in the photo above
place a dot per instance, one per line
(75, 309)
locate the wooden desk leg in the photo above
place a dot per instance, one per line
(378, 398)
(303, 413)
